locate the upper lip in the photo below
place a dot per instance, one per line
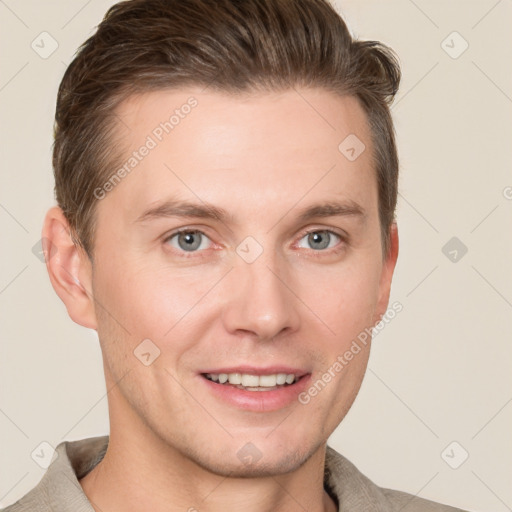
(253, 370)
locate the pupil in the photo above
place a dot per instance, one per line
(189, 242)
(322, 241)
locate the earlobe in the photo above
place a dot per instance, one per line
(386, 277)
(69, 269)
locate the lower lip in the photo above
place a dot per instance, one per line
(257, 401)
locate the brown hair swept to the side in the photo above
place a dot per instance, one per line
(232, 46)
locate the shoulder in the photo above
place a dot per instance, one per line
(59, 489)
(409, 503)
(32, 501)
(356, 492)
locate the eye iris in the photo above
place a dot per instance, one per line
(191, 240)
(189, 243)
(322, 238)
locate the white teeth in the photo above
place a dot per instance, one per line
(235, 378)
(253, 382)
(281, 379)
(250, 381)
(290, 379)
(268, 380)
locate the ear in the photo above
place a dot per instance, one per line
(387, 273)
(69, 268)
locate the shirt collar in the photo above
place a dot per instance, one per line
(61, 491)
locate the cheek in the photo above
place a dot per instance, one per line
(151, 301)
(129, 290)
(343, 297)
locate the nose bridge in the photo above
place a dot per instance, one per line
(261, 302)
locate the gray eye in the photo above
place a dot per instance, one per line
(319, 240)
(189, 241)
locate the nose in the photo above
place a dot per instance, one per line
(261, 300)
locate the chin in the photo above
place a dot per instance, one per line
(250, 462)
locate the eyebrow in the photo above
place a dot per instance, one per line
(332, 209)
(182, 208)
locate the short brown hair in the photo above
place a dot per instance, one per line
(231, 46)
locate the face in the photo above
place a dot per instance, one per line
(241, 245)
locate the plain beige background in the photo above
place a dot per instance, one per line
(439, 373)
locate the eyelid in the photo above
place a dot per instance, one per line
(342, 234)
(178, 231)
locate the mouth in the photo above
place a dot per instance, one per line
(255, 389)
(254, 382)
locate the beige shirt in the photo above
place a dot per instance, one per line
(59, 490)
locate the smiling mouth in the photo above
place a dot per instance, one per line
(250, 382)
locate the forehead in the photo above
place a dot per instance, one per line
(243, 150)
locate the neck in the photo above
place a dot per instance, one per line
(133, 477)
(141, 472)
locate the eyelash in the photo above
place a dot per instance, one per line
(316, 254)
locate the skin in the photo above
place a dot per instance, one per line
(262, 158)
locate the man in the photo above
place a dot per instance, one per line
(226, 179)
